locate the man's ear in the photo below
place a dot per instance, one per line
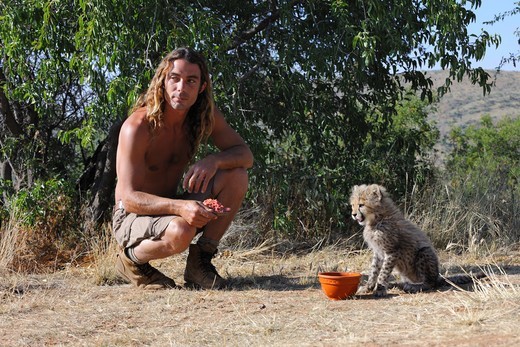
(203, 87)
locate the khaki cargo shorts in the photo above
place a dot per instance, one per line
(130, 229)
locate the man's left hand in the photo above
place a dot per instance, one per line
(199, 175)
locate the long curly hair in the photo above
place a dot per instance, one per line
(200, 120)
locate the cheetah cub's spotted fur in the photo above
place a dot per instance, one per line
(397, 244)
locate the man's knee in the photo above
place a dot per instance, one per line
(179, 235)
(237, 179)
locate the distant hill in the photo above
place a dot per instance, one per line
(465, 104)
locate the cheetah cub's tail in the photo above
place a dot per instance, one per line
(459, 280)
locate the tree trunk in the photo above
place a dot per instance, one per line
(6, 174)
(99, 179)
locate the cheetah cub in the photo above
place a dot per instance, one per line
(396, 243)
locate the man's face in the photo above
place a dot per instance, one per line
(183, 85)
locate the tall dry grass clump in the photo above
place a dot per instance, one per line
(26, 249)
(467, 217)
(102, 256)
(12, 241)
(490, 300)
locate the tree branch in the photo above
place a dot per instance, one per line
(248, 34)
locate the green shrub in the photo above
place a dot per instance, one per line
(474, 205)
(486, 149)
(305, 185)
(47, 207)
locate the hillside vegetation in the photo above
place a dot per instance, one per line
(465, 104)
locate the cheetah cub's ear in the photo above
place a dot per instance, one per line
(376, 192)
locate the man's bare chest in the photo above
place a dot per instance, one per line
(165, 154)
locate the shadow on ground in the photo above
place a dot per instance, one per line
(295, 283)
(272, 282)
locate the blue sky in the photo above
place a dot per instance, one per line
(506, 29)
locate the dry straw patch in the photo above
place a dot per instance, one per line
(26, 249)
(10, 240)
(275, 301)
(103, 253)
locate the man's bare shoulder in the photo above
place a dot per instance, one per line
(137, 122)
(138, 117)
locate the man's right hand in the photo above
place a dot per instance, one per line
(196, 214)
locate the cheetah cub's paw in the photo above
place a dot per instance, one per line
(365, 289)
(380, 291)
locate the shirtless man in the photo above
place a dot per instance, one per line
(157, 144)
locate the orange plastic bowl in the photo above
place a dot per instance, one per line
(339, 285)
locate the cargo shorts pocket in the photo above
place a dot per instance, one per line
(122, 226)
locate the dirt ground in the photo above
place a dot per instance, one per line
(275, 300)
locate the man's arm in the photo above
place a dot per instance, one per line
(234, 150)
(234, 153)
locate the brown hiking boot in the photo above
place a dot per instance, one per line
(200, 273)
(142, 276)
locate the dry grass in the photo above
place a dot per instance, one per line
(11, 242)
(275, 300)
(103, 252)
(25, 249)
(8, 242)
(470, 223)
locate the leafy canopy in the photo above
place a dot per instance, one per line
(312, 85)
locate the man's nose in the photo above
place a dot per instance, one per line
(181, 85)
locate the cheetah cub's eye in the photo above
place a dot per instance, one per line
(361, 205)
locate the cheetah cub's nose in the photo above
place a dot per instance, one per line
(358, 217)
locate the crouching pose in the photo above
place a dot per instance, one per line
(157, 144)
(397, 244)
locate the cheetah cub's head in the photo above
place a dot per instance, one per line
(365, 200)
